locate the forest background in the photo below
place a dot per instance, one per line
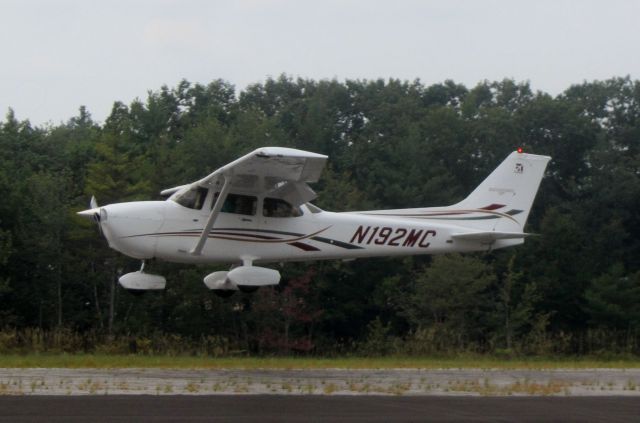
(575, 289)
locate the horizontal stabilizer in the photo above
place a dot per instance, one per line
(489, 236)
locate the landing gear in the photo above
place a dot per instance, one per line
(140, 281)
(248, 289)
(218, 283)
(246, 278)
(224, 293)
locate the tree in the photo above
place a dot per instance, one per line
(5, 288)
(451, 294)
(517, 305)
(40, 233)
(117, 175)
(285, 318)
(392, 144)
(612, 299)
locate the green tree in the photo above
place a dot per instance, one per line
(612, 299)
(517, 305)
(452, 294)
(117, 175)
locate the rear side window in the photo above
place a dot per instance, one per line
(276, 207)
(238, 204)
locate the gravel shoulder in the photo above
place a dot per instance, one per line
(409, 382)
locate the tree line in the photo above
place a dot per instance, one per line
(573, 289)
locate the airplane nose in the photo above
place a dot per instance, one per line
(130, 227)
(100, 216)
(103, 222)
(107, 228)
(90, 213)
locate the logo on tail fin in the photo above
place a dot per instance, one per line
(519, 168)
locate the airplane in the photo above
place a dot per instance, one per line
(257, 210)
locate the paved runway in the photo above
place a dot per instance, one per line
(290, 408)
(78, 395)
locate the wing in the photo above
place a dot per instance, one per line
(278, 171)
(275, 171)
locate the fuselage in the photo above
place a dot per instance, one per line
(257, 209)
(167, 230)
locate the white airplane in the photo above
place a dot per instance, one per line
(257, 210)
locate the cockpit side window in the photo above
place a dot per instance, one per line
(193, 198)
(238, 204)
(276, 207)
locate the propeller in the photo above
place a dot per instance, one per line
(93, 212)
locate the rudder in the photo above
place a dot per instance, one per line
(508, 191)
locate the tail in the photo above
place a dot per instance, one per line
(502, 202)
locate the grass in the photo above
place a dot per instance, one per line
(188, 362)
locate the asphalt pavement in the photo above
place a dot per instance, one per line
(294, 408)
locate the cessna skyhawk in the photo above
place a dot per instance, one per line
(257, 210)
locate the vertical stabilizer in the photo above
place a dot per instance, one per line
(508, 191)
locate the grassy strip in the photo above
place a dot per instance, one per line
(185, 362)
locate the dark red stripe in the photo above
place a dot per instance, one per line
(214, 232)
(492, 207)
(303, 246)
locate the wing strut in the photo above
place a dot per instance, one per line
(197, 250)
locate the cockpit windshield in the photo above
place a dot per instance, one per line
(193, 198)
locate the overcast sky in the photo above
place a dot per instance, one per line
(58, 55)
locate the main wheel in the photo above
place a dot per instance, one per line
(224, 293)
(248, 289)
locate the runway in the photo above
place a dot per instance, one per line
(291, 408)
(68, 395)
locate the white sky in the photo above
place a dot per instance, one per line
(56, 55)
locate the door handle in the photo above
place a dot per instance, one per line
(244, 219)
